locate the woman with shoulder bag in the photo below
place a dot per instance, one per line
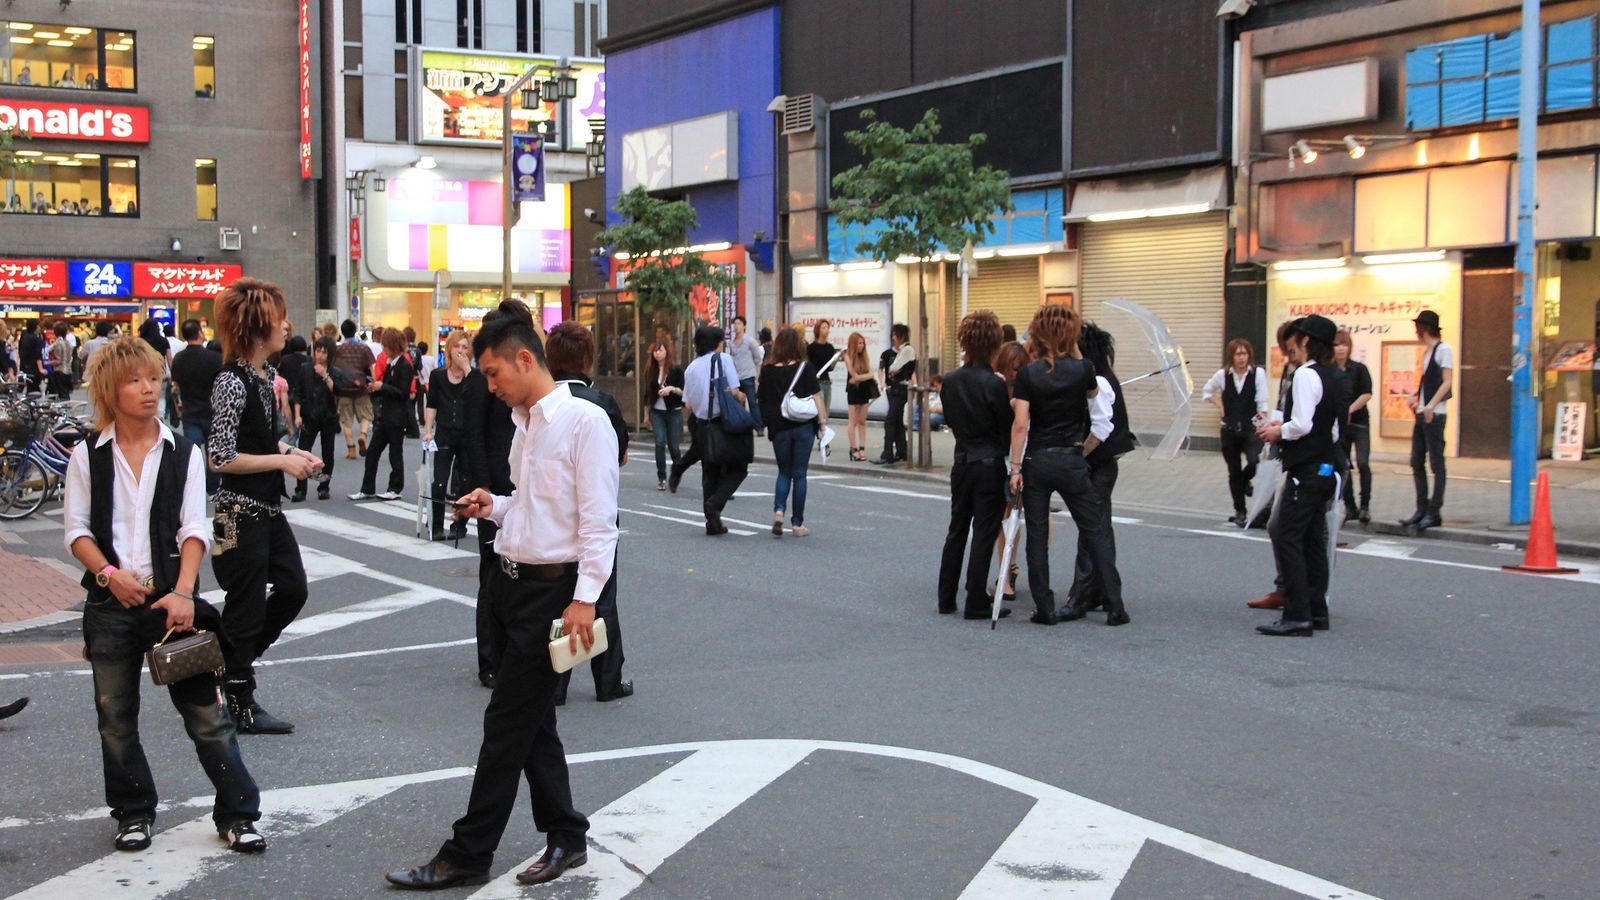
(789, 393)
(1240, 392)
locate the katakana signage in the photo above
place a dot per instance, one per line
(33, 278)
(182, 280)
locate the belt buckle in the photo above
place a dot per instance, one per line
(509, 566)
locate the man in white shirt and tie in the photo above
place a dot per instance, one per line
(556, 542)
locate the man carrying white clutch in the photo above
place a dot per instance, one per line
(556, 542)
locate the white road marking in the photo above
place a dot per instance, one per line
(372, 536)
(761, 526)
(635, 834)
(369, 610)
(399, 509)
(1383, 548)
(1126, 520)
(192, 850)
(322, 657)
(898, 492)
(695, 522)
(1067, 845)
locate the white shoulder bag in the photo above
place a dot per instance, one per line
(798, 409)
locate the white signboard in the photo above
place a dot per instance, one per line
(1570, 420)
(1329, 96)
(845, 316)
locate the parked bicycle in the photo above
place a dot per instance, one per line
(33, 474)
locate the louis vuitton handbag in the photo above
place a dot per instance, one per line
(172, 661)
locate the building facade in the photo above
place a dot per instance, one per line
(153, 164)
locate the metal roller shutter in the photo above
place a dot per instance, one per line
(1176, 267)
(1007, 287)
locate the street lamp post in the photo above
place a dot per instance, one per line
(555, 84)
(355, 189)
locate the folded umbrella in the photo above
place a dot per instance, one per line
(1269, 475)
(1010, 530)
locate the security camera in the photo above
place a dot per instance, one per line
(1233, 9)
(593, 217)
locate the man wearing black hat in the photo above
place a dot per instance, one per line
(1427, 433)
(1315, 412)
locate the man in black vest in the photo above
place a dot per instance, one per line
(978, 412)
(140, 538)
(255, 545)
(570, 352)
(897, 368)
(1427, 434)
(1315, 412)
(1116, 438)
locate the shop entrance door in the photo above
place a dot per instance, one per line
(1484, 406)
(613, 317)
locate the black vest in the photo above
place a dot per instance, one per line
(1120, 440)
(166, 510)
(1304, 454)
(1239, 407)
(1432, 378)
(257, 436)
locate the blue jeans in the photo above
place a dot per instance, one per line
(748, 386)
(793, 450)
(117, 638)
(666, 425)
(196, 433)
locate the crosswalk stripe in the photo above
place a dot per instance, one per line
(695, 522)
(192, 850)
(635, 834)
(757, 525)
(1031, 862)
(399, 509)
(375, 537)
(369, 610)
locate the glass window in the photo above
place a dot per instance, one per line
(205, 190)
(66, 56)
(77, 184)
(205, 66)
(1472, 80)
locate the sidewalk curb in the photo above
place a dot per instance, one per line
(1482, 537)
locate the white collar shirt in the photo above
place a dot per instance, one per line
(697, 384)
(564, 508)
(131, 499)
(1307, 392)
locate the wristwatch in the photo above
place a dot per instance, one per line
(103, 577)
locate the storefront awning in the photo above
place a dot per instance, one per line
(1119, 199)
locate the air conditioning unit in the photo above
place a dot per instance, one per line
(229, 239)
(801, 113)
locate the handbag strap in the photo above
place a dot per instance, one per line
(796, 380)
(711, 389)
(168, 636)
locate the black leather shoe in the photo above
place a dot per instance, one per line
(486, 679)
(1319, 624)
(984, 614)
(714, 526)
(946, 610)
(1286, 628)
(1414, 518)
(624, 689)
(551, 865)
(1071, 614)
(435, 875)
(297, 497)
(881, 461)
(1363, 515)
(672, 480)
(11, 709)
(1044, 618)
(1431, 520)
(1120, 617)
(255, 720)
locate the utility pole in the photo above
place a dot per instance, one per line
(1524, 408)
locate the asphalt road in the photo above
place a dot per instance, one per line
(805, 725)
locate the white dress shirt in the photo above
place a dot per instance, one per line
(131, 500)
(564, 507)
(1100, 409)
(1214, 386)
(697, 385)
(1307, 392)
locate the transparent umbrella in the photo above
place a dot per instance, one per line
(1170, 368)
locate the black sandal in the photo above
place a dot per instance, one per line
(133, 835)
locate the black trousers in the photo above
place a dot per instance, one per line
(329, 432)
(1240, 452)
(1427, 447)
(1300, 545)
(253, 616)
(1064, 471)
(1357, 446)
(447, 482)
(519, 730)
(390, 434)
(977, 502)
(696, 448)
(894, 424)
(1088, 591)
(607, 667)
(718, 481)
(491, 636)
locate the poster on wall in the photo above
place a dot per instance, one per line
(847, 315)
(459, 98)
(1398, 378)
(718, 308)
(1569, 430)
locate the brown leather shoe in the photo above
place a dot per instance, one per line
(350, 454)
(550, 866)
(1273, 600)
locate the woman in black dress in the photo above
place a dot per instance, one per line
(861, 387)
(1052, 424)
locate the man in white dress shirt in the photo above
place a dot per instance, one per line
(556, 542)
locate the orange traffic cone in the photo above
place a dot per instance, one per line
(1540, 556)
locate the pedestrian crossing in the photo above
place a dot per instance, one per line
(1065, 845)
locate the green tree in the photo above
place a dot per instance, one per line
(663, 274)
(10, 163)
(922, 198)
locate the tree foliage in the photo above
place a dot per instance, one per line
(9, 160)
(927, 196)
(662, 274)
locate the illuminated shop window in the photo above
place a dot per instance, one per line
(205, 66)
(205, 190)
(66, 56)
(75, 184)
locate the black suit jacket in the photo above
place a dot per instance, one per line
(978, 411)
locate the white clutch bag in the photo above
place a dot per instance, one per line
(562, 658)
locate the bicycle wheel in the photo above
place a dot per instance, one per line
(23, 484)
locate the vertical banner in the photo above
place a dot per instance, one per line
(305, 88)
(355, 238)
(527, 168)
